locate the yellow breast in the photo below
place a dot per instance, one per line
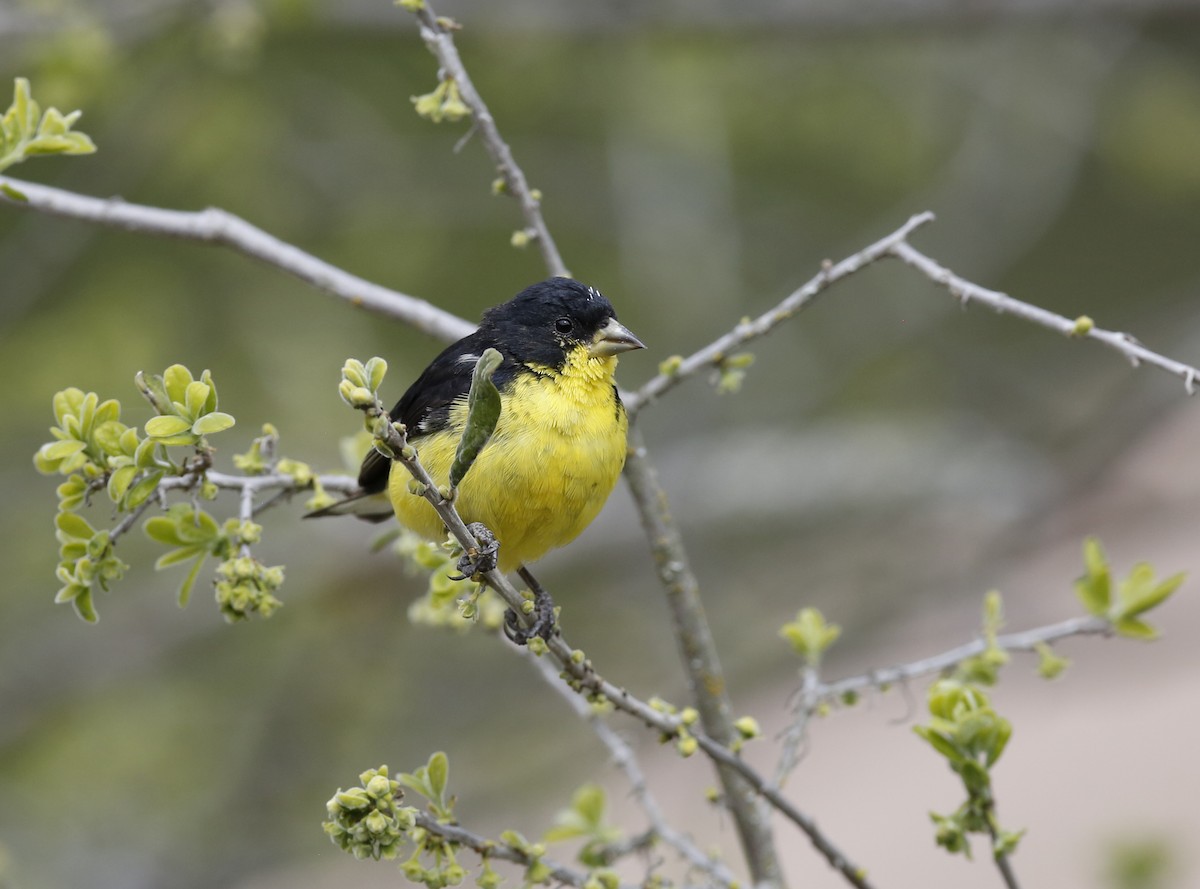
(554, 458)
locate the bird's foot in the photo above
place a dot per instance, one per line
(475, 562)
(543, 619)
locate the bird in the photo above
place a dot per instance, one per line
(559, 444)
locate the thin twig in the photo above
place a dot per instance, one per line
(805, 706)
(215, 226)
(1029, 640)
(625, 758)
(1001, 858)
(501, 850)
(966, 292)
(719, 350)
(440, 41)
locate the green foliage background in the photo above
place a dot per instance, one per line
(696, 174)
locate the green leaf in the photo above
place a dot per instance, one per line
(810, 636)
(195, 395)
(942, 744)
(210, 403)
(483, 412)
(439, 774)
(84, 606)
(22, 135)
(1140, 592)
(163, 530)
(210, 423)
(74, 525)
(1134, 628)
(108, 436)
(1095, 587)
(167, 426)
(1006, 842)
(1050, 664)
(60, 450)
(142, 490)
(375, 370)
(185, 590)
(119, 481)
(175, 556)
(175, 380)
(67, 403)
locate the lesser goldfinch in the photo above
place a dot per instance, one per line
(558, 446)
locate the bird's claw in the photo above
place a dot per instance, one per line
(543, 620)
(474, 562)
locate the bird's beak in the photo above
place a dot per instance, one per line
(613, 339)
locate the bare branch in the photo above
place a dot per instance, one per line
(500, 850)
(717, 351)
(215, 226)
(1001, 303)
(440, 41)
(625, 758)
(1029, 640)
(804, 706)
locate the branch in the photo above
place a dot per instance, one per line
(718, 351)
(805, 705)
(440, 41)
(1003, 304)
(623, 755)
(493, 849)
(698, 653)
(1028, 640)
(1001, 858)
(215, 226)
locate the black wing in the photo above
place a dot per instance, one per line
(425, 407)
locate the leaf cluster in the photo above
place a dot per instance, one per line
(97, 452)
(1135, 595)
(26, 131)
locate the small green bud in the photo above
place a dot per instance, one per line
(689, 715)
(670, 366)
(380, 786)
(687, 746)
(748, 727)
(354, 798)
(577, 656)
(520, 239)
(537, 646)
(1083, 326)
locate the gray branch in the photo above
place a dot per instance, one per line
(1001, 303)
(1029, 640)
(440, 41)
(503, 851)
(625, 758)
(216, 226)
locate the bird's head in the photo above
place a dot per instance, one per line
(545, 322)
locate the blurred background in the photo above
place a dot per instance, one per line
(889, 459)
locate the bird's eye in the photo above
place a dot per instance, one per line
(563, 325)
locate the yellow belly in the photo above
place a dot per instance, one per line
(555, 456)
